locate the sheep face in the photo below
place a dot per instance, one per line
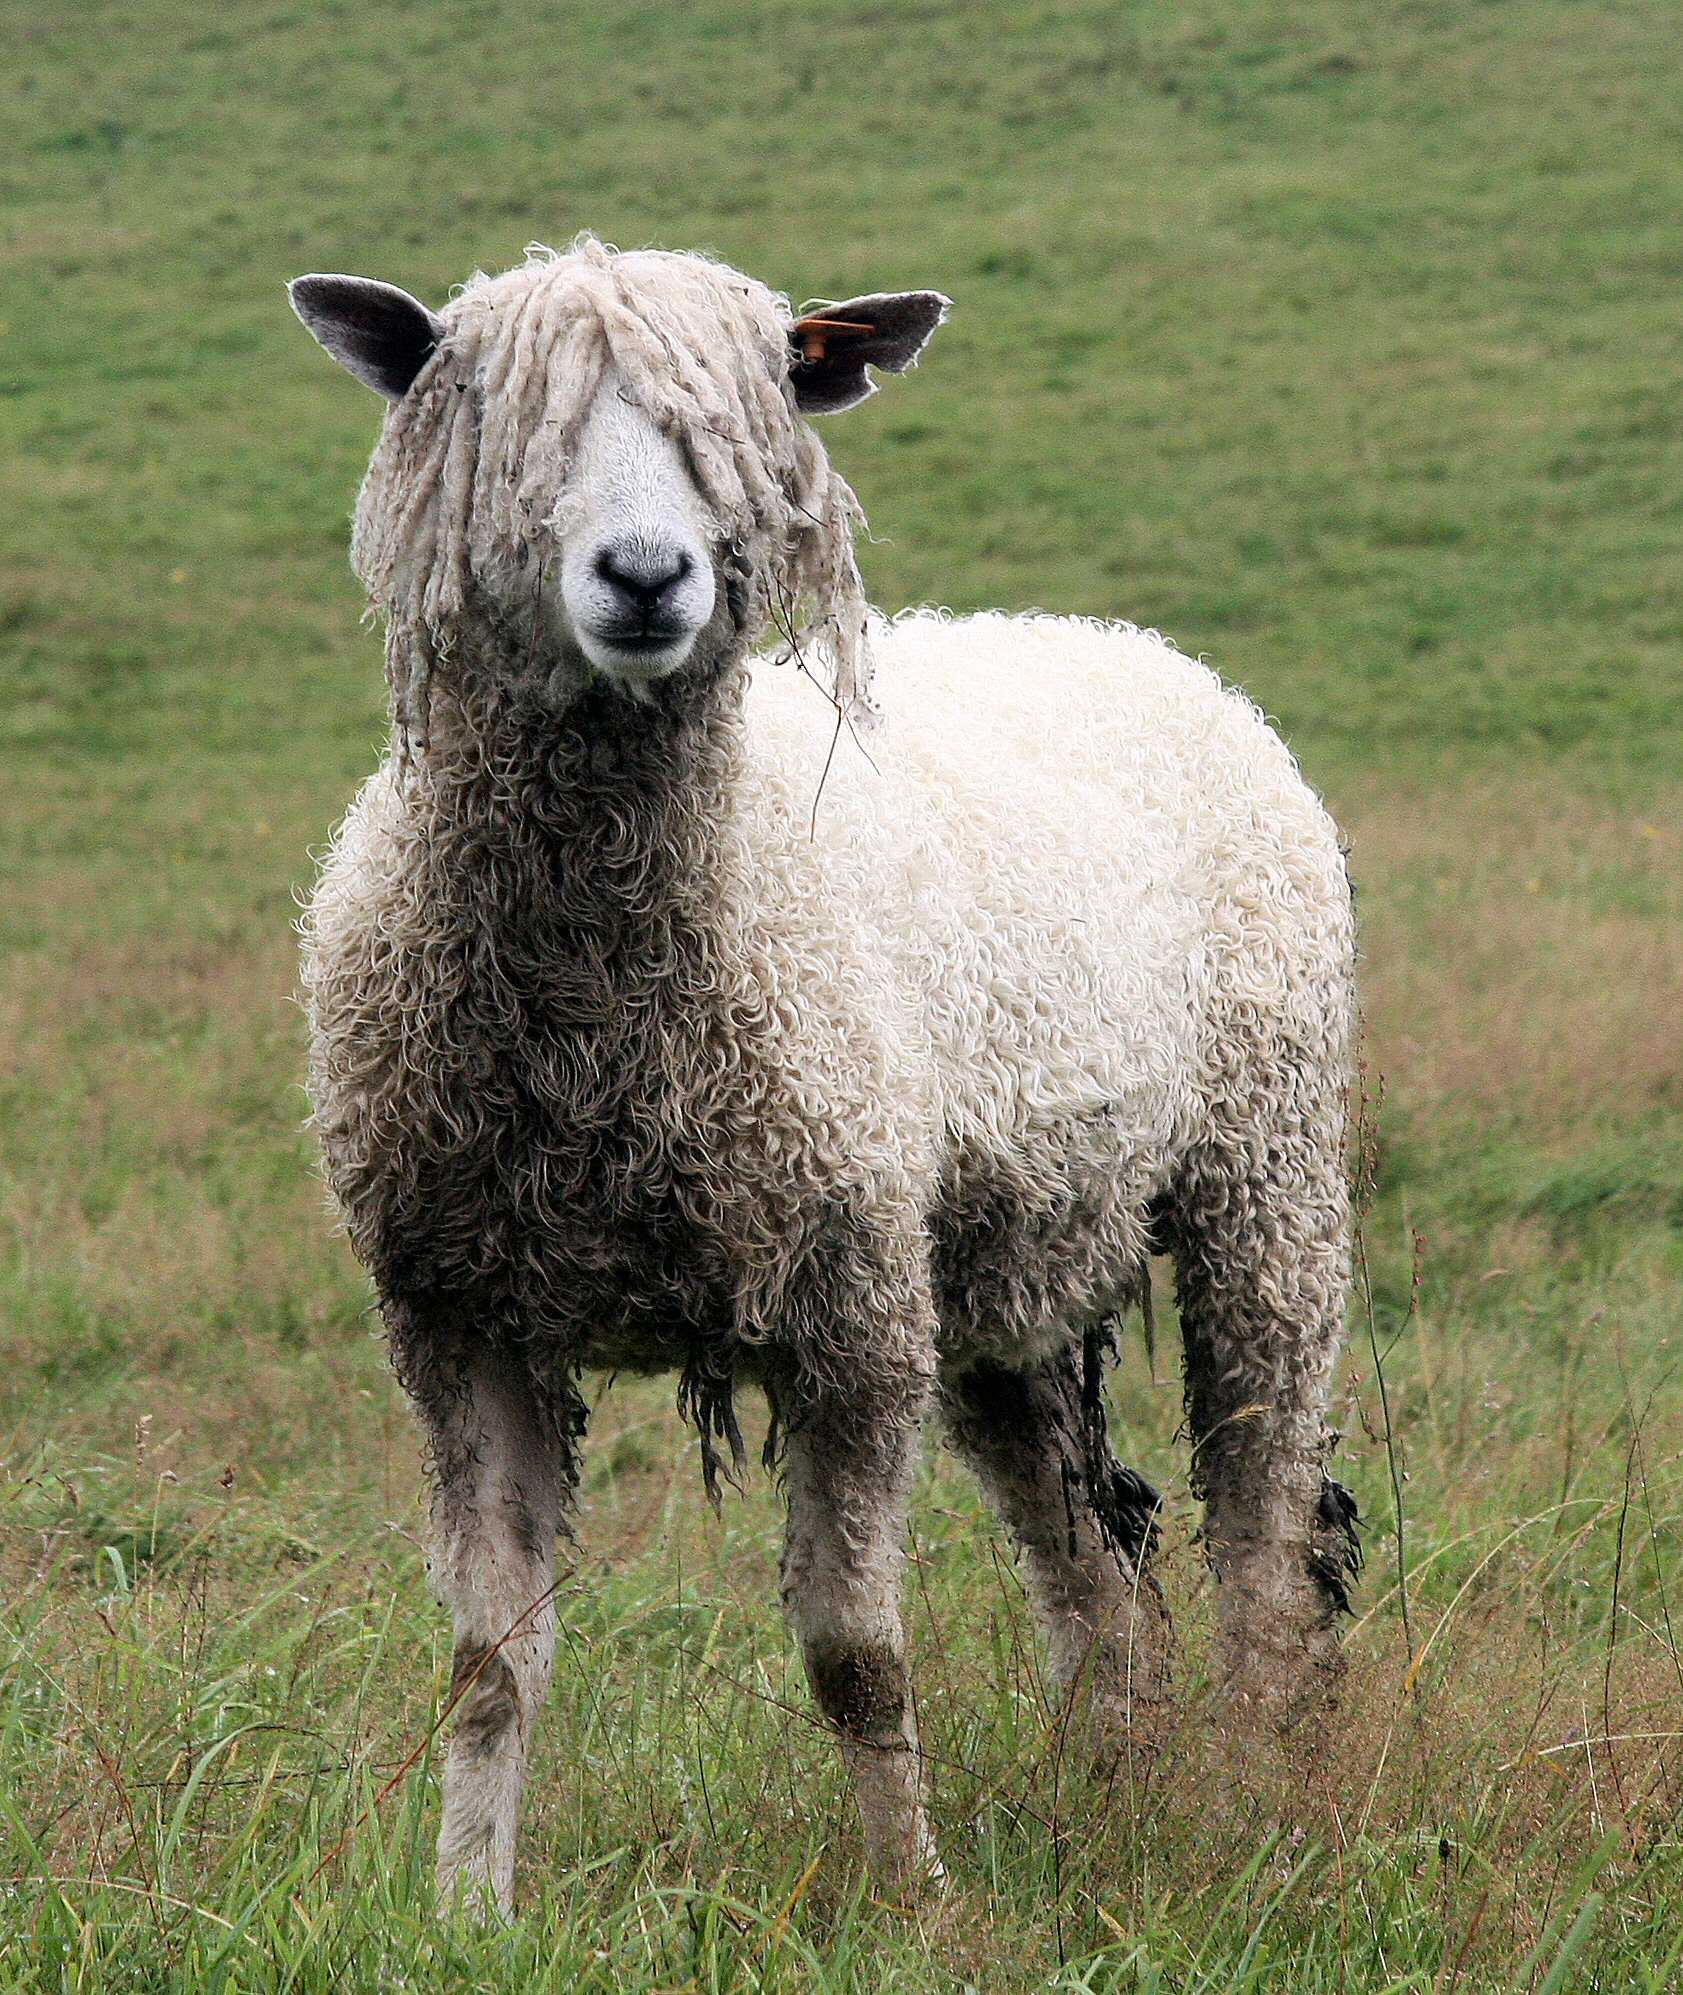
(634, 586)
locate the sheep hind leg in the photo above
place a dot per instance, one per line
(503, 1465)
(1085, 1527)
(848, 1479)
(1263, 1279)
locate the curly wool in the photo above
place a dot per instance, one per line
(472, 472)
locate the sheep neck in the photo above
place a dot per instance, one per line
(598, 835)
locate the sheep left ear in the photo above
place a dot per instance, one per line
(830, 349)
(375, 331)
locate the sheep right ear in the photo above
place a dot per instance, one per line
(830, 349)
(379, 333)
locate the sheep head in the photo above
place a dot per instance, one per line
(608, 454)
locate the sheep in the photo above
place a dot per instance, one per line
(719, 978)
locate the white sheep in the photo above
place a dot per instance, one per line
(663, 1022)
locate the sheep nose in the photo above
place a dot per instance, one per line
(642, 574)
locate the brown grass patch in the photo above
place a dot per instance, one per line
(1522, 951)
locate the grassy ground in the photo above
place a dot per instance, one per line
(1340, 344)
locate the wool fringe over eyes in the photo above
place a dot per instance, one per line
(471, 475)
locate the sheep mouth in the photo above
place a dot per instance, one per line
(633, 657)
(642, 643)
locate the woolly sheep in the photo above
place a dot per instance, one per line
(672, 1013)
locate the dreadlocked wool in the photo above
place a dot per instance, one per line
(472, 472)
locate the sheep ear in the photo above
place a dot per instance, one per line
(381, 334)
(832, 348)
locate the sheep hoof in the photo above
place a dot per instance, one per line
(467, 1890)
(1285, 1688)
(910, 1884)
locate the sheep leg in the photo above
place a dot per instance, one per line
(848, 1477)
(1084, 1525)
(1263, 1275)
(502, 1466)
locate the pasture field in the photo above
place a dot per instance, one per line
(1343, 344)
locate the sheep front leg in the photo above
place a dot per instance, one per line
(502, 1462)
(848, 1474)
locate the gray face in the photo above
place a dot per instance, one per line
(634, 587)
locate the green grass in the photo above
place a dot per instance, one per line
(1342, 345)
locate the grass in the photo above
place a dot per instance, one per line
(1339, 345)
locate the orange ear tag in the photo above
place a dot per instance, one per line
(814, 335)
